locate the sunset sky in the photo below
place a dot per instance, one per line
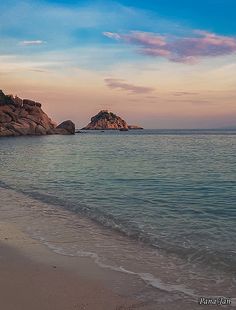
(159, 64)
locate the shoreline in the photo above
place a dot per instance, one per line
(33, 277)
(98, 286)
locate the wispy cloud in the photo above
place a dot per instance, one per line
(179, 49)
(122, 85)
(32, 42)
(184, 93)
(14, 64)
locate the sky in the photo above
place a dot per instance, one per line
(158, 64)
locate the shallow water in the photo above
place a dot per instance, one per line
(166, 198)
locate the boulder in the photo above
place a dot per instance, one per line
(66, 127)
(3, 100)
(40, 130)
(29, 102)
(5, 118)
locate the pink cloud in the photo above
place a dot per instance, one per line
(122, 85)
(185, 49)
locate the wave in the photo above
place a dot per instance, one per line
(217, 260)
(148, 278)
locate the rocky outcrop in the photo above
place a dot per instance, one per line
(25, 117)
(105, 120)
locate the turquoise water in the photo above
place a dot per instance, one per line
(174, 191)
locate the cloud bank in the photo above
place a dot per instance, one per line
(122, 85)
(179, 49)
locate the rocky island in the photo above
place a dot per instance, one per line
(105, 120)
(19, 117)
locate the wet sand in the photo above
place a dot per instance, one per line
(33, 278)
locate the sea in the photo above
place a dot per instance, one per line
(158, 206)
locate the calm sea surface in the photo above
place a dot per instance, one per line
(166, 198)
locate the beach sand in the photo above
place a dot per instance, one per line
(34, 278)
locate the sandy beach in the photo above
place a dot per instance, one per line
(35, 278)
(44, 280)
